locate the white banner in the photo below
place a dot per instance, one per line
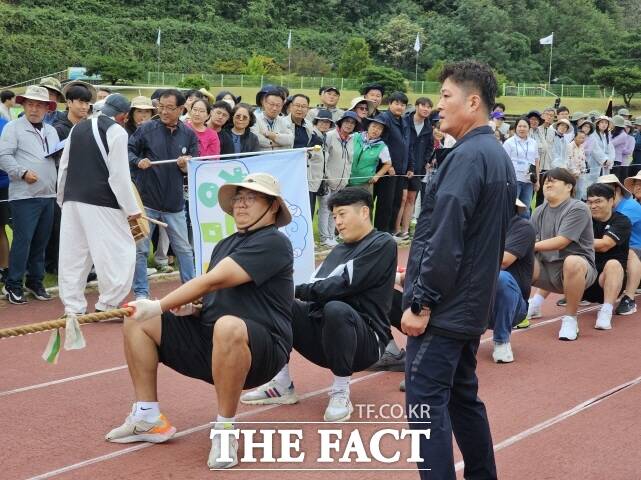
(210, 224)
(549, 40)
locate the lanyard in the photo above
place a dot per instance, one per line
(43, 139)
(525, 149)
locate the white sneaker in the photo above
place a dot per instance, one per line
(271, 393)
(502, 353)
(215, 460)
(569, 328)
(603, 320)
(533, 312)
(134, 430)
(151, 271)
(339, 408)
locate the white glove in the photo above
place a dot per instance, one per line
(144, 309)
(184, 310)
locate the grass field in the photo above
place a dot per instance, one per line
(515, 105)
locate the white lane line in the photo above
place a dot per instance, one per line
(183, 433)
(560, 417)
(122, 367)
(62, 380)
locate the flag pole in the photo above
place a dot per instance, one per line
(550, 69)
(416, 79)
(289, 55)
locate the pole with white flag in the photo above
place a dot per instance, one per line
(289, 53)
(158, 45)
(417, 48)
(549, 40)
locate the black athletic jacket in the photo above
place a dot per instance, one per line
(456, 253)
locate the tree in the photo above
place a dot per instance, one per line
(396, 41)
(308, 62)
(114, 69)
(354, 58)
(389, 78)
(262, 65)
(626, 81)
(229, 66)
(194, 82)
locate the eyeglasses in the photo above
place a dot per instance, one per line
(167, 108)
(362, 107)
(298, 105)
(273, 105)
(198, 110)
(247, 199)
(241, 117)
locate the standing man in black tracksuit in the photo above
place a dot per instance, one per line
(389, 189)
(451, 277)
(161, 186)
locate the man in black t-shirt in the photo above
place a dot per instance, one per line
(611, 245)
(513, 287)
(240, 338)
(340, 318)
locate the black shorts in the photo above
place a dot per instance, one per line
(594, 293)
(5, 213)
(414, 184)
(186, 347)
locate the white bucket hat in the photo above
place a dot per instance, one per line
(39, 94)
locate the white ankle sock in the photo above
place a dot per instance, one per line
(341, 384)
(283, 378)
(223, 420)
(537, 300)
(606, 307)
(148, 411)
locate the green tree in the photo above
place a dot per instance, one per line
(354, 58)
(391, 79)
(396, 42)
(194, 82)
(434, 72)
(262, 65)
(626, 81)
(229, 66)
(308, 63)
(114, 69)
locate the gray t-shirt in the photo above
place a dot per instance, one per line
(572, 220)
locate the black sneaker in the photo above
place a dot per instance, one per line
(626, 306)
(14, 295)
(38, 291)
(390, 363)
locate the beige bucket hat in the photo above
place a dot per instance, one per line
(88, 86)
(258, 182)
(629, 182)
(39, 94)
(603, 117)
(142, 103)
(370, 105)
(612, 179)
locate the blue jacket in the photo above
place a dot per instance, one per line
(397, 138)
(421, 145)
(456, 253)
(161, 186)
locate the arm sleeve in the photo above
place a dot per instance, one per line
(620, 230)
(520, 240)
(285, 137)
(8, 147)
(455, 202)
(574, 223)
(194, 148)
(62, 172)
(385, 155)
(263, 257)
(263, 141)
(135, 149)
(365, 271)
(119, 176)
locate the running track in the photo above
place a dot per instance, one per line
(563, 410)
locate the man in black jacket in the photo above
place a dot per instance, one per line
(161, 186)
(340, 318)
(451, 277)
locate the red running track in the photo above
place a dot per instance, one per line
(563, 410)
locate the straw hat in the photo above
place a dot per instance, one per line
(629, 182)
(39, 94)
(258, 182)
(208, 94)
(370, 105)
(142, 103)
(618, 121)
(88, 86)
(611, 178)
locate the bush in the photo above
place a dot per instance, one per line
(194, 82)
(392, 80)
(229, 66)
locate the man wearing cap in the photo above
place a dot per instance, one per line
(25, 146)
(161, 186)
(54, 88)
(625, 113)
(242, 335)
(274, 131)
(316, 160)
(340, 318)
(329, 97)
(374, 92)
(95, 194)
(624, 204)
(564, 249)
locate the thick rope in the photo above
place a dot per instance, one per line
(62, 322)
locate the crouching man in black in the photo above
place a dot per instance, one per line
(340, 318)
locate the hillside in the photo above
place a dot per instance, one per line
(37, 37)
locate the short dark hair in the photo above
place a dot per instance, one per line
(172, 92)
(78, 92)
(155, 95)
(499, 105)
(204, 102)
(562, 174)
(6, 95)
(296, 95)
(224, 105)
(562, 108)
(105, 89)
(399, 97)
(423, 101)
(350, 196)
(471, 73)
(601, 190)
(252, 117)
(194, 93)
(524, 119)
